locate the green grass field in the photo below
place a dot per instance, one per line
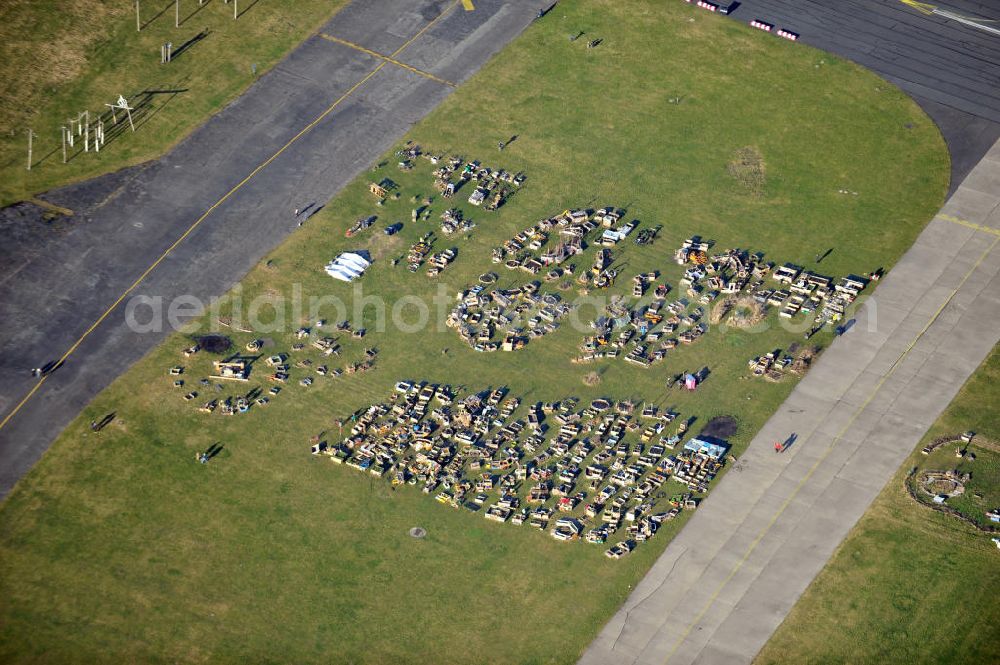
(908, 585)
(58, 59)
(118, 546)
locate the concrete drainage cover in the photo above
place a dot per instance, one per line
(418, 532)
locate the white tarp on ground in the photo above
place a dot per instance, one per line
(347, 267)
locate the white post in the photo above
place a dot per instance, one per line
(69, 133)
(236, 13)
(86, 136)
(129, 112)
(138, 26)
(177, 13)
(30, 136)
(64, 143)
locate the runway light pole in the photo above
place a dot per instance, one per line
(31, 135)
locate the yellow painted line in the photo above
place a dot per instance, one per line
(215, 205)
(922, 7)
(971, 225)
(376, 54)
(826, 453)
(424, 29)
(468, 5)
(971, 21)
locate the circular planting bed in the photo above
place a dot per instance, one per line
(740, 312)
(941, 483)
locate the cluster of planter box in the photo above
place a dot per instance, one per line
(505, 319)
(645, 333)
(590, 472)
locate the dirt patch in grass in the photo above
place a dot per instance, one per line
(803, 359)
(740, 312)
(747, 168)
(721, 427)
(381, 245)
(215, 343)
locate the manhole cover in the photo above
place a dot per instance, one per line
(418, 532)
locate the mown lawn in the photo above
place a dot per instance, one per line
(908, 585)
(58, 59)
(118, 546)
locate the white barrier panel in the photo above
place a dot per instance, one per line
(761, 25)
(787, 34)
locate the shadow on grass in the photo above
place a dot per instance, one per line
(159, 13)
(213, 450)
(183, 48)
(97, 426)
(44, 157)
(247, 8)
(198, 9)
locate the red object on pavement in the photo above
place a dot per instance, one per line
(778, 447)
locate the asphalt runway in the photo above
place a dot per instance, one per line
(950, 69)
(355, 106)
